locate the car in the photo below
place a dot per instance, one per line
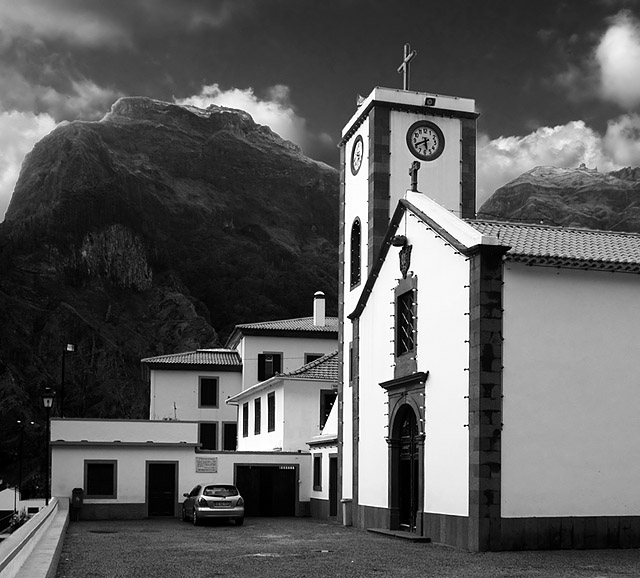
(213, 501)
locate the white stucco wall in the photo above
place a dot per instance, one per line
(443, 301)
(174, 394)
(571, 438)
(439, 179)
(266, 440)
(68, 469)
(292, 348)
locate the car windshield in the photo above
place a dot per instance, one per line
(220, 491)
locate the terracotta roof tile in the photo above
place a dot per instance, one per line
(325, 368)
(541, 244)
(298, 324)
(218, 357)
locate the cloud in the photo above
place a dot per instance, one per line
(503, 159)
(19, 131)
(75, 22)
(70, 99)
(275, 110)
(618, 56)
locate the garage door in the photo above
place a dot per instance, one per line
(268, 490)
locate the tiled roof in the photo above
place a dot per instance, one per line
(558, 246)
(325, 368)
(299, 324)
(200, 357)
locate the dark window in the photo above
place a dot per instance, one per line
(245, 419)
(317, 472)
(100, 479)
(356, 235)
(208, 435)
(194, 492)
(271, 411)
(229, 436)
(327, 398)
(268, 365)
(309, 357)
(405, 323)
(208, 392)
(257, 416)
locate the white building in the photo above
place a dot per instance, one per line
(489, 388)
(140, 468)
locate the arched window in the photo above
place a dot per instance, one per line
(356, 237)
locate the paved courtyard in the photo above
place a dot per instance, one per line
(303, 547)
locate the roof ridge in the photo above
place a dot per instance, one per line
(315, 363)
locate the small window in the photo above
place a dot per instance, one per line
(208, 392)
(245, 419)
(229, 436)
(309, 357)
(356, 239)
(271, 411)
(405, 323)
(100, 478)
(208, 436)
(317, 472)
(268, 365)
(327, 399)
(257, 415)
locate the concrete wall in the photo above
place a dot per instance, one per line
(174, 394)
(571, 433)
(292, 348)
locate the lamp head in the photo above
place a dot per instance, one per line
(47, 397)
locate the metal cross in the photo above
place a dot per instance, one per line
(403, 69)
(413, 171)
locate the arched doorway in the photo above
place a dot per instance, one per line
(407, 464)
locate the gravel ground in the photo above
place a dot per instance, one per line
(303, 547)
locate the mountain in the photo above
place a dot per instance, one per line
(579, 197)
(152, 231)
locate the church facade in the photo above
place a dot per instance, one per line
(488, 390)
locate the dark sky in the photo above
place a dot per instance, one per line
(555, 82)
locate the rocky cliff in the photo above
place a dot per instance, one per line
(579, 197)
(152, 231)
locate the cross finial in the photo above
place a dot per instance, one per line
(403, 69)
(413, 171)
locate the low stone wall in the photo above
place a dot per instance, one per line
(18, 554)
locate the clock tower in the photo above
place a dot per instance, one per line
(389, 131)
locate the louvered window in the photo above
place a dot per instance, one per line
(405, 323)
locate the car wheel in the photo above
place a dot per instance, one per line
(239, 521)
(194, 518)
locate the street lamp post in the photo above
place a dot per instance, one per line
(70, 348)
(47, 401)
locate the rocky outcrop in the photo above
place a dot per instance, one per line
(579, 197)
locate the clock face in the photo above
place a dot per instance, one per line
(425, 140)
(357, 153)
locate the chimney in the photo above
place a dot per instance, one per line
(318, 309)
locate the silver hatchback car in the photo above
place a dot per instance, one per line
(210, 501)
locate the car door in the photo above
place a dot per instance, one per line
(190, 500)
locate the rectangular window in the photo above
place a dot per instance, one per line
(327, 399)
(208, 392)
(309, 357)
(317, 472)
(271, 411)
(229, 436)
(257, 416)
(245, 419)
(405, 323)
(208, 435)
(100, 478)
(268, 365)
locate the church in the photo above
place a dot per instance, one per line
(489, 392)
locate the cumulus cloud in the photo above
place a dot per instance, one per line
(71, 99)
(618, 56)
(274, 110)
(503, 159)
(74, 22)
(18, 133)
